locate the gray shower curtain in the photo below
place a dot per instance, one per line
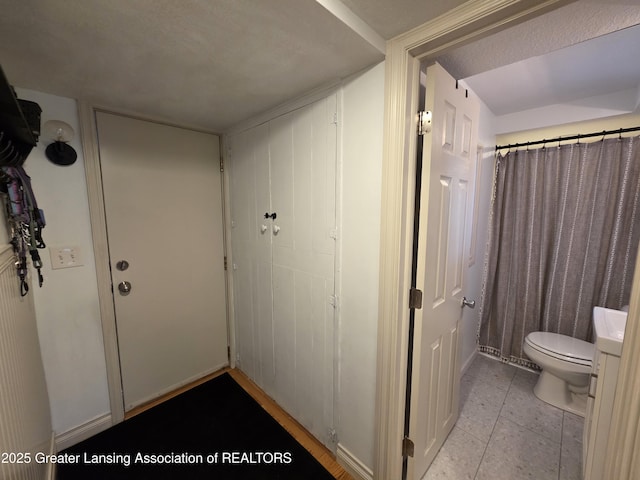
(564, 231)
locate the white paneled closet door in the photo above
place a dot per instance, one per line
(251, 248)
(284, 267)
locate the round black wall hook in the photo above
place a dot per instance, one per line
(272, 216)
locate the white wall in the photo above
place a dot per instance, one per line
(585, 124)
(66, 306)
(600, 107)
(361, 157)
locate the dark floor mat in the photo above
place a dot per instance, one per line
(214, 431)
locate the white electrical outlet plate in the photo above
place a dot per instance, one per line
(65, 257)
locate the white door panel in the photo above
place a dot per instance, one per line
(303, 165)
(292, 324)
(252, 264)
(163, 205)
(447, 185)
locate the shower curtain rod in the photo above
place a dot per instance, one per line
(603, 133)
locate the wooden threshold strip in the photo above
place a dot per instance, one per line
(321, 453)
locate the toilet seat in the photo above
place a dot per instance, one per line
(562, 347)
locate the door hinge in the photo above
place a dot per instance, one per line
(415, 298)
(221, 163)
(333, 436)
(407, 447)
(333, 301)
(335, 118)
(225, 262)
(229, 353)
(424, 122)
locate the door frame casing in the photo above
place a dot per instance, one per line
(468, 22)
(93, 175)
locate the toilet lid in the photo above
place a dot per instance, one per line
(563, 347)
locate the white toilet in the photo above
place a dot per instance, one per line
(566, 367)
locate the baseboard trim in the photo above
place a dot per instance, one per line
(355, 468)
(468, 363)
(82, 432)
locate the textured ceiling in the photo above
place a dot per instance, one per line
(211, 64)
(391, 18)
(575, 53)
(208, 64)
(586, 70)
(568, 25)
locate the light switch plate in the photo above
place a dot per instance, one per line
(65, 257)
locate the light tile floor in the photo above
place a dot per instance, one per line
(505, 433)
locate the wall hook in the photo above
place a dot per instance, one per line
(272, 216)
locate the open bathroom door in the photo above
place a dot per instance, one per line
(443, 235)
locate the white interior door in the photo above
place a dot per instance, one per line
(163, 203)
(284, 265)
(251, 238)
(303, 179)
(446, 204)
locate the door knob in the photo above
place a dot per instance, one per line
(468, 303)
(124, 288)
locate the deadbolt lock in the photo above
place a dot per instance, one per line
(122, 265)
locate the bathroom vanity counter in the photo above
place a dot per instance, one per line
(609, 328)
